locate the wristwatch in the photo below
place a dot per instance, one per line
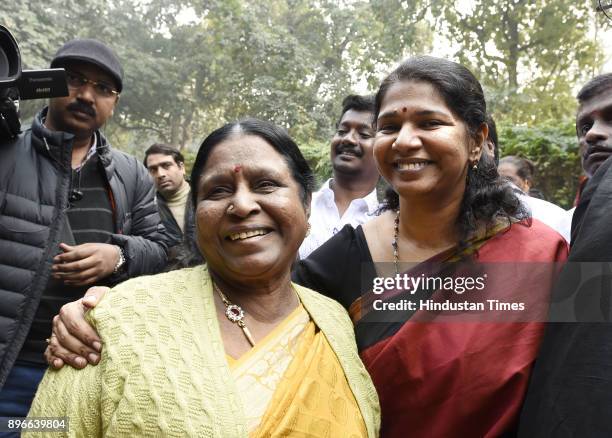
(120, 262)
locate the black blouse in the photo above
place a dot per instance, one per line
(341, 268)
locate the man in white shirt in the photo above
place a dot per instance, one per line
(350, 196)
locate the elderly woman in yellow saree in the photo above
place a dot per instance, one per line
(234, 348)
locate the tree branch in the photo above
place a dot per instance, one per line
(481, 40)
(140, 127)
(529, 45)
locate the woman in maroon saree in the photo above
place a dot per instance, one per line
(455, 373)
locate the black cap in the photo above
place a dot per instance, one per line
(94, 52)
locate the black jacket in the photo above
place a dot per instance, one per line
(173, 230)
(35, 174)
(183, 250)
(570, 393)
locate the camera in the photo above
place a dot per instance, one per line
(605, 9)
(17, 84)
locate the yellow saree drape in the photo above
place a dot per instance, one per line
(292, 384)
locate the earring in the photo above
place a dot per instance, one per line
(230, 208)
(394, 144)
(308, 230)
(475, 166)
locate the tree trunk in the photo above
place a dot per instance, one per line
(512, 34)
(175, 130)
(187, 132)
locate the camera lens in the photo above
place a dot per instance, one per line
(10, 60)
(4, 64)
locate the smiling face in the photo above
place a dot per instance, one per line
(351, 146)
(421, 147)
(83, 110)
(594, 130)
(250, 218)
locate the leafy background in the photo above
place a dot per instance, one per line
(192, 65)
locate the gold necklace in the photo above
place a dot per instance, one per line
(235, 314)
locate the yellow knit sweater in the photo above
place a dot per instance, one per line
(163, 370)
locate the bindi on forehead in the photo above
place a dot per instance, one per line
(237, 168)
(399, 110)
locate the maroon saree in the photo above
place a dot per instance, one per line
(445, 375)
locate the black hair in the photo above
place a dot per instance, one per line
(274, 135)
(164, 149)
(493, 137)
(487, 196)
(596, 86)
(357, 103)
(525, 169)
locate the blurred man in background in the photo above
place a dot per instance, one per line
(166, 165)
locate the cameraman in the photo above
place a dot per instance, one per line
(73, 213)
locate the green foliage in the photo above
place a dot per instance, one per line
(287, 61)
(318, 156)
(553, 148)
(190, 157)
(192, 65)
(529, 54)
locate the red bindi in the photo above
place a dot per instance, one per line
(404, 109)
(237, 168)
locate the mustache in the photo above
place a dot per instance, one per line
(77, 105)
(345, 147)
(591, 149)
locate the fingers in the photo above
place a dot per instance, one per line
(76, 266)
(93, 296)
(84, 278)
(57, 355)
(79, 334)
(64, 247)
(73, 253)
(71, 350)
(53, 361)
(85, 264)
